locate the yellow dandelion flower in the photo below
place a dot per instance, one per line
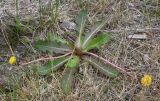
(146, 80)
(12, 60)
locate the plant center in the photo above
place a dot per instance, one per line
(78, 52)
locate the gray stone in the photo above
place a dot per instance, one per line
(69, 25)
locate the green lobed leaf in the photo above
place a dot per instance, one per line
(52, 65)
(97, 41)
(106, 69)
(91, 34)
(67, 79)
(73, 62)
(51, 46)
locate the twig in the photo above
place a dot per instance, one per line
(8, 43)
(108, 62)
(6, 39)
(48, 58)
(132, 29)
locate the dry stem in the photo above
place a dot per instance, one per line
(48, 58)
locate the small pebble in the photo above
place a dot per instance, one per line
(68, 25)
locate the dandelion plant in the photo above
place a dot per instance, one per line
(71, 54)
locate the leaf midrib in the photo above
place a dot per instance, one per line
(69, 76)
(80, 32)
(63, 49)
(92, 34)
(56, 65)
(102, 68)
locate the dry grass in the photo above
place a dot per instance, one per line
(124, 18)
